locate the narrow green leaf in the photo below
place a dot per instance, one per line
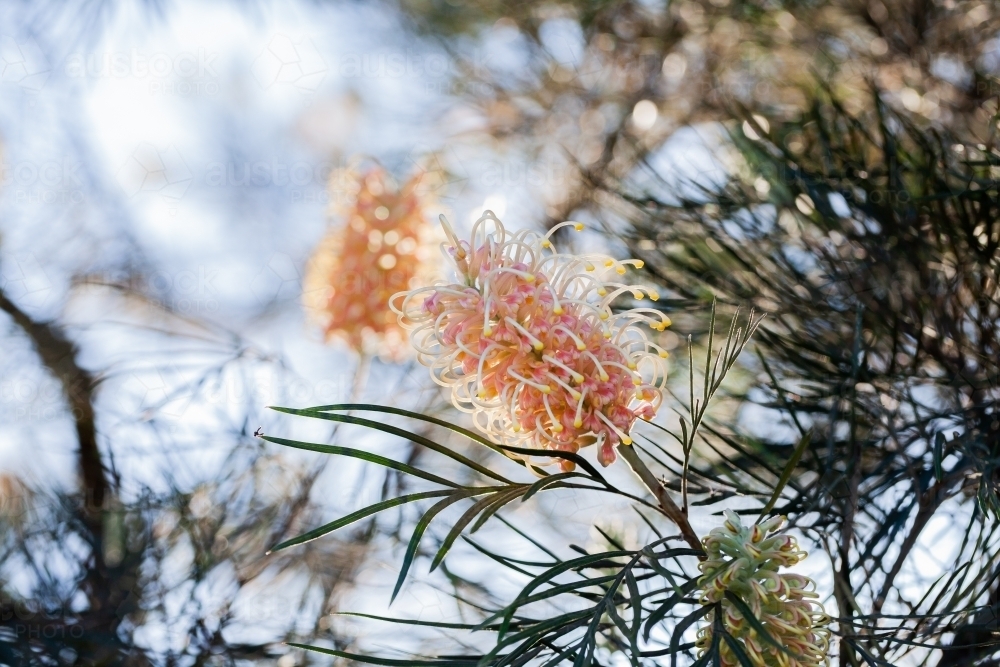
(364, 456)
(357, 516)
(369, 407)
(649, 523)
(636, 599)
(407, 621)
(556, 591)
(546, 481)
(869, 658)
(459, 526)
(667, 651)
(786, 475)
(682, 626)
(610, 540)
(737, 648)
(500, 501)
(757, 625)
(661, 612)
(569, 620)
(402, 433)
(538, 545)
(472, 661)
(487, 552)
(551, 573)
(708, 356)
(418, 532)
(717, 632)
(569, 456)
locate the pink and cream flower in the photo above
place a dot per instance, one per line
(528, 342)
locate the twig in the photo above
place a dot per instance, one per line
(667, 504)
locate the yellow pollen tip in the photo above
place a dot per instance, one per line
(558, 310)
(578, 226)
(588, 266)
(631, 365)
(481, 394)
(558, 428)
(607, 334)
(637, 381)
(487, 331)
(517, 427)
(577, 423)
(620, 270)
(581, 347)
(529, 278)
(604, 377)
(539, 345)
(626, 440)
(604, 316)
(546, 389)
(639, 264)
(655, 296)
(609, 262)
(546, 243)
(601, 291)
(664, 355)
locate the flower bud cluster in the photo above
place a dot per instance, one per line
(745, 561)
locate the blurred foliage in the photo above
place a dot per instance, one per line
(115, 572)
(569, 99)
(874, 245)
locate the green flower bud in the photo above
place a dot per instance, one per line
(746, 562)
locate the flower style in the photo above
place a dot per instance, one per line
(529, 345)
(384, 245)
(744, 561)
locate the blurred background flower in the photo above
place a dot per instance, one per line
(380, 243)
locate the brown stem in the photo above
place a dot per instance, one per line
(58, 354)
(667, 504)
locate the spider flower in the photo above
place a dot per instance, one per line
(383, 245)
(529, 345)
(745, 561)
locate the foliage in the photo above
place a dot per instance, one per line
(872, 243)
(637, 601)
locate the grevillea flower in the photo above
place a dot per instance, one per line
(528, 344)
(383, 244)
(745, 561)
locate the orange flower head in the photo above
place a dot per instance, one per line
(383, 244)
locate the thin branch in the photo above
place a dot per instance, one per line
(667, 504)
